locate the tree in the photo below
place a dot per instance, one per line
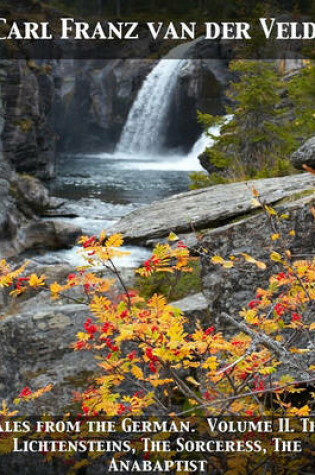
(258, 139)
(302, 93)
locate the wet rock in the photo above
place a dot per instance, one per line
(48, 235)
(206, 208)
(305, 155)
(200, 86)
(96, 100)
(31, 192)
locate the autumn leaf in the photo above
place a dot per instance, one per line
(217, 260)
(192, 380)
(116, 240)
(35, 281)
(275, 256)
(275, 237)
(308, 169)
(173, 237)
(137, 372)
(255, 192)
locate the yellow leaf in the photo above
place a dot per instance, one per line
(274, 237)
(299, 351)
(55, 289)
(228, 265)
(274, 256)
(312, 327)
(292, 232)
(255, 202)
(249, 258)
(217, 260)
(160, 382)
(172, 237)
(103, 236)
(137, 372)
(116, 240)
(270, 210)
(261, 265)
(312, 210)
(81, 336)
(158, 302)
(36, 281)
(191, 380)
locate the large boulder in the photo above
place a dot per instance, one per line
(206, 208)
(35, 352)
(305, 155)
(30, 192)
(49, 235)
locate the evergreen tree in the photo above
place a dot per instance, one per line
(263, 132)
(302, 93)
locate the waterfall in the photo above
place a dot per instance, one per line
(143, 131)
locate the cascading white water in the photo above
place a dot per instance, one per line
(175, 161)
(143, 131)
(144, 127)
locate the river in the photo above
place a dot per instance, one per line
(103, 188)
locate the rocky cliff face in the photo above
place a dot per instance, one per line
(30, 94)
(97, 96)
(9, 215)
(28, 104)
(201, 87)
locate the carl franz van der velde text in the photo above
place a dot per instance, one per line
(69, 28)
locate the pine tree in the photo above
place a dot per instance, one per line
(257, 142)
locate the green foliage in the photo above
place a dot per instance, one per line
(175, 287)
(202, 180)
(302, 92)
(267, 126)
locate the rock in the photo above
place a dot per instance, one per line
(35, 351)
(193, 306)
(206, 208)
(96, 99)
(30, 95)
(305, 155)
(207, 165)
(200, 86)
(48, 235)
(228, 290)
(9, 213)
(30, 191)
